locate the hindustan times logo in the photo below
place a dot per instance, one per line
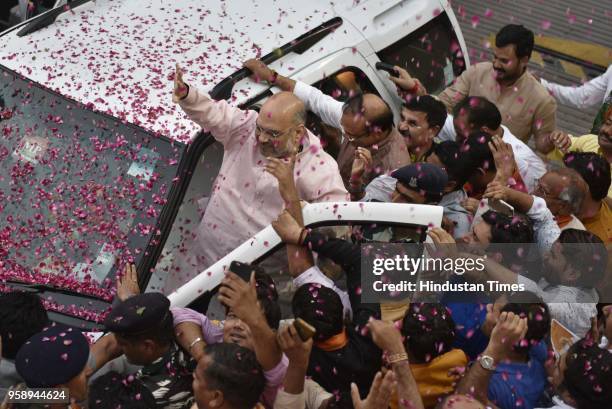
(413, 265)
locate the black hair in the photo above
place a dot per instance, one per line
(509, 229)
(429, 330)
(456, 162)
(586, 253)
(479, 112)
(162, 334)
(267, 295)
(588, 375)
(235, 372)
(22, 315)
(517, 35)
(538, 322)
(594, 169)
(383, 121)
(113, 391)
(321, 307)
(432, 107)
(477, 152)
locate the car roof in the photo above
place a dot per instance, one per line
(118, 57)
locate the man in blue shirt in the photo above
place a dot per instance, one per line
(520, 380)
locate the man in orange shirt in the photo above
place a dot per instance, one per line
(596, 212)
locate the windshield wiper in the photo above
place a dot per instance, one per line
(48, 18)
(40, 288)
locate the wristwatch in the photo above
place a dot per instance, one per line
(487, 362)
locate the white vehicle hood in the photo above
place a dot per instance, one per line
(118, 56)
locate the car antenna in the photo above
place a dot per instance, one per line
(48, 18)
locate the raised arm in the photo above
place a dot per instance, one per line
(544, 225)
(589, 95)
(510, 329)
(387, 337)
(299, 258)
(459, 89)
(103, 351)
(226, 123)
(241, 298)
(298, 353)
(326, 107)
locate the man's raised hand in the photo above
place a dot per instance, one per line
(180, 88)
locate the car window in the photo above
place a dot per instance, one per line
(432, 54)
(80, 192)
(189, 215)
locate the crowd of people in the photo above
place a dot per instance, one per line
(488, 139)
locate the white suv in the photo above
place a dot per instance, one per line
(99, 167)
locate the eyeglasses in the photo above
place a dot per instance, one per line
(539, 188)
(271, 133)
(353, 138)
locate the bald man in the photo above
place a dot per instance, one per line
(245, 198)
(366, 121)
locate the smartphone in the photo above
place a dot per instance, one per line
(304, 329)
(501, 207)
(242, 270)
(383, 66)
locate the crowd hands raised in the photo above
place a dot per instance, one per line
(465, 150)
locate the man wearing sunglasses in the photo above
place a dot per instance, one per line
(245, 195)
(366, 121)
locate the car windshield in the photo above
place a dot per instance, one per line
(80, 192)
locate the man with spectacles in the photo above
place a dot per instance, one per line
(366, 121)
(245, 196)
(563, 190)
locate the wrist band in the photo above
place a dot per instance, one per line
(195, 341)
(395, 358)
(415, 87)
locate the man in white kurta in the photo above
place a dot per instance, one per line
(245, 198)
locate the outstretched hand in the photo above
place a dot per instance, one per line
(508, 331)
(380, 392)
(504, 159)
(260, 70)
(180, 88)
(406, 83)
(127, 283)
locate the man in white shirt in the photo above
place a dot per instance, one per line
(479, 114)
(596, 92)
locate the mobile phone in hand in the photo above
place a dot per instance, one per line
(383, 66)
(242, 270)
(304, 329)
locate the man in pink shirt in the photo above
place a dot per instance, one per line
(245, 197)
